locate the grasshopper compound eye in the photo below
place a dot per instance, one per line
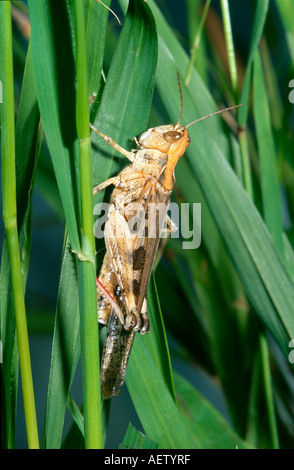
(172, 136)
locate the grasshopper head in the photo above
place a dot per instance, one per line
(171, 140)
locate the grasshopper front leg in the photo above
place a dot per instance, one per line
(115, 181)
(130, 155)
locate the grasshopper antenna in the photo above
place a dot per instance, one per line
(213, 114)
(111, 11)
(181, 95)
(204, 117)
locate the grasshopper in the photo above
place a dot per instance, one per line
(123, 280)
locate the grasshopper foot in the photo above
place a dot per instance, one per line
(131, 320)
(145, 324)
(136, 322)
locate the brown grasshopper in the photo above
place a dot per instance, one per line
(123, 280)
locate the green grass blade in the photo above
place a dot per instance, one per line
(46, 184)
(10, 365)
(154, 404)
(75, 436)
(54, 74)
(230, 48)
(250, 246)
(194, 18)
(226, 320)
(270, 186)
(96, 28)
(196, 42)
(177, 294)
(268, 387)
(289, 256)
(258, 26)
(65, 351)
(157, 341)
(286, 11)
(150, 383)
(76, 414)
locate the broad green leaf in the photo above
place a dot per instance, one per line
(154, 404)
(54, 75)
(208, 428)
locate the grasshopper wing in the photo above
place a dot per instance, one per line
(145, 247)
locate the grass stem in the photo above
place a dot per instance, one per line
(230, 48)
(10, 222)
(87, 273)
(196, 43)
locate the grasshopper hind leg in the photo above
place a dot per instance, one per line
(144, 319)
(106, 292)
(116, 351)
